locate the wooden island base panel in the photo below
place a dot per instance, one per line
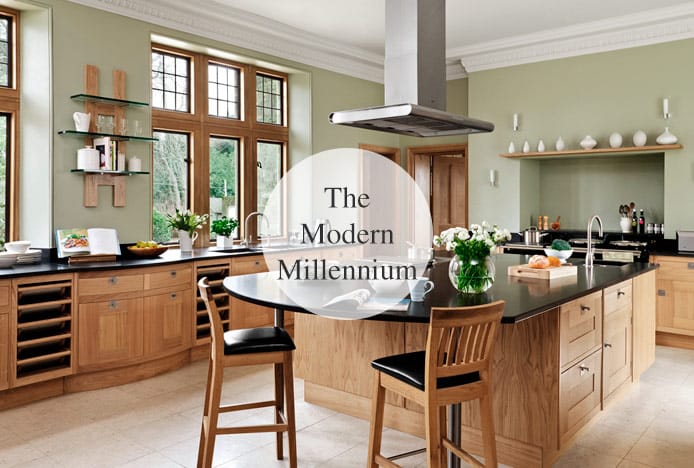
(552, 372)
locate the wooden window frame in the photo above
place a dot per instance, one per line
(202, 126)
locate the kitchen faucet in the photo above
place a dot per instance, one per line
(589, 252)
(247, 239)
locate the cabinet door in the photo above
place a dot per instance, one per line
(4, 351)
(616, 357)
(167, 322)
(109, 332)
(244, 314)
(675, 306)
(579, 394)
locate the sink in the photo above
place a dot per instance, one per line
(234, 249)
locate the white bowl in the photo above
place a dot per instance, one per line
(562, 255)
(17, 246)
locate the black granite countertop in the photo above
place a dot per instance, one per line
(524, 298)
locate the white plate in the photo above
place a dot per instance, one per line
(6, 262)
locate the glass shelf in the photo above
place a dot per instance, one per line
(111, 135)
(106, 100)
(99, 171)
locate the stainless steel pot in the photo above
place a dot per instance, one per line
(531, 236)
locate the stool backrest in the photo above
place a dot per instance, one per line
(461, 340)
(216, 329)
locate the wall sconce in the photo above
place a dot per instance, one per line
(515, 122)
(492, 177)
(666, 108)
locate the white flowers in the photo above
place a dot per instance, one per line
(484, 233)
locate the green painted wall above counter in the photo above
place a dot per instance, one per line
(596, 95)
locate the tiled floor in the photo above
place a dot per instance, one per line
(155, 423)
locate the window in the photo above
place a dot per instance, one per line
(224, 177)
(224, 91)
(9, 118)
(222, 153)
(170, 169)
(170, 82)
(268, 96)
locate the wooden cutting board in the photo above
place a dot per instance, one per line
(542, 273)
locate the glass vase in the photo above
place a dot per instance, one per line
(472, 277)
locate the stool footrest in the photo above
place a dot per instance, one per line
(383, 461)
(246, 406)
(460, 453)
(411, 453)
(251, 429)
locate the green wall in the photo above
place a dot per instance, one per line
(81, 35)
(594, 95)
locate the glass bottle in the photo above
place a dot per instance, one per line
(634, 222)
(642, 223)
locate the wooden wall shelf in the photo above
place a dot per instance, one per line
(593, 152)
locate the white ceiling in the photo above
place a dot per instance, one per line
(347, 36)
(360, 23)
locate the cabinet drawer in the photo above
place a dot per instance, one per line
(617, 297)
(579, 394)
(675, 268)
(94, 284)
(581, 328)
(173, 277)
(246, 265)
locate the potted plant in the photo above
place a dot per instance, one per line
(186, 223)
(223, 227)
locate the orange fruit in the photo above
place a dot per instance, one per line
(554, 261)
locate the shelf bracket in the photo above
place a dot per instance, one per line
(91, 189)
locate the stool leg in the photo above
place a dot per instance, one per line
(443, 430)
(291, 422)
(213, 414)
(432, 425)
(279, 400)
(376, 425)
(487, 426)
(205, 415)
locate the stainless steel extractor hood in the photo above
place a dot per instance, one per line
(415, 77)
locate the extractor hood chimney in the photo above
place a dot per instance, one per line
(415, 77)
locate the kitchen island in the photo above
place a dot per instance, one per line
(568, 347)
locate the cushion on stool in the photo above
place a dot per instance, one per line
(257, 340)
(409, 368)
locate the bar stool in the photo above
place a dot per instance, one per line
(455, 367)
(246, 347)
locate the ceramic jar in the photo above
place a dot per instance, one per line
(540, 146)
(88, 159)
(639, 138)
(666, 138)
(559, 145)
(588, 142)
(615, 140)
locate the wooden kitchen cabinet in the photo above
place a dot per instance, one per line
(579, 394)
(580, 328)
(4, 350)
(110, 332)
(675, 295)
(244, 314)
(617, 337)
(167, 322)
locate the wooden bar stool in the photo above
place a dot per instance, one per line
(455, 367)
(246, 347)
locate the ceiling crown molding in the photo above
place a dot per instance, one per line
(256, 33)
(634, 30)
(253, 32)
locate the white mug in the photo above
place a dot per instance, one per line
(81, 121)
(419, 287)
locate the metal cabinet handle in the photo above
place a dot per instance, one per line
(608, 345)
(113, 305)
(113, 280)
(173, 296)
(690, 265)
(257, 262)
(620, 293)
(583, 369)
(661, 292)
(584, 309)
(173, 274)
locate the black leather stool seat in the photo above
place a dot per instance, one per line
(409, 368)
(257, 340)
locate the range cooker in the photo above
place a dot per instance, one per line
(614, 247)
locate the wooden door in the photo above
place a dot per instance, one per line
(4, 351)
(449, 194)
(617, 331)
(675, 307)
(167, 322)
(109, 332)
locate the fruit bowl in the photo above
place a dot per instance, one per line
(148, 252)
(562, 255)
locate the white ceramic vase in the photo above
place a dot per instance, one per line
(559, 145)
(185, 241)
(526, 147)
(540, 146)
(224, 242)
(666, 138)
(588, 142)
(639, 138)
(511, 148)
(615, 140)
